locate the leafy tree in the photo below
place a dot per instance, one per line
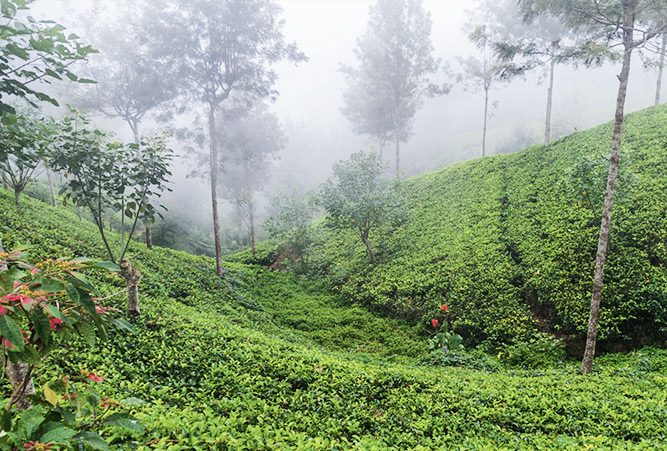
(290, 222)
(249, 143)
(392, 77)
(541, 41)
(357, 197)
(25, 141)
(102, 175)
(482, 72)
(32, 50)
(220, 48)
(609, 28)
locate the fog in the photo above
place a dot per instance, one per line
(446, 129)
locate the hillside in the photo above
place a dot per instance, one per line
(265, 360)
(509, 243)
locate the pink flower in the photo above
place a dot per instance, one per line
(95, 378)
(444, 308)
(434, 323)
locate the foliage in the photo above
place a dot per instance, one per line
(262, 359)
(443, 340)
(357, 197)
(393, 76)
(25, 142)
(42, 308)
(267, 359)
(509, 243)
(34, 50)
(105, 175)
(290, 224)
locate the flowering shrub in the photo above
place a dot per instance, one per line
(442, 339)
(41, 307)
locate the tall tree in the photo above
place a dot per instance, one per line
(106, 176)
(483, 71)
(524, 42)
(393, 73)
(604, 27)
(249, 143)
(661, 67)
(222, 47)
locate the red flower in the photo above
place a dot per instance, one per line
(444, 308)
(95, 378)
(55, 323)
(434, 323)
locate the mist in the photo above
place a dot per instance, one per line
(447, 128)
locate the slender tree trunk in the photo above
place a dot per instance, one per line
(17, 196)
(251, 217)
(132, 277)
(550, 92)
(661, 66)
(20, 378)
(603, 240)
(214, 161)
(369, 246)
(397, 136)
(486, 115)
(239, 231)
(52, 192)
(149, 235)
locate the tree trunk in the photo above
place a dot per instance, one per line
(52, 192)
(398, 154)
(550, 92)
(20, 378)
(239, 224)
(603, 240)
(661, 66)
(149, 235)
(17, 196)
(369, 246)
(213, 150)
(486, 115)
(251, 217)
(132, 277)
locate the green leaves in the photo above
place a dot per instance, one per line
(125, 421)
(11, 332)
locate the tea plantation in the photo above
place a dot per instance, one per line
(509, 243)
(268, 360)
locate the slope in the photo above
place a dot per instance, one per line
(262, 360)
(509, 242)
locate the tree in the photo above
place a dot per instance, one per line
(392, 77)
(482, 72)
(661, 67)
(103, 175)
(249, 142)
(130, 81)
(290, 223)
(606, 26)
(525, 45)
(25, 141)
(222, 47)
(33, 51)
(357, 197)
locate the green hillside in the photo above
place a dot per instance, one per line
(267, 360)
(509, 243)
